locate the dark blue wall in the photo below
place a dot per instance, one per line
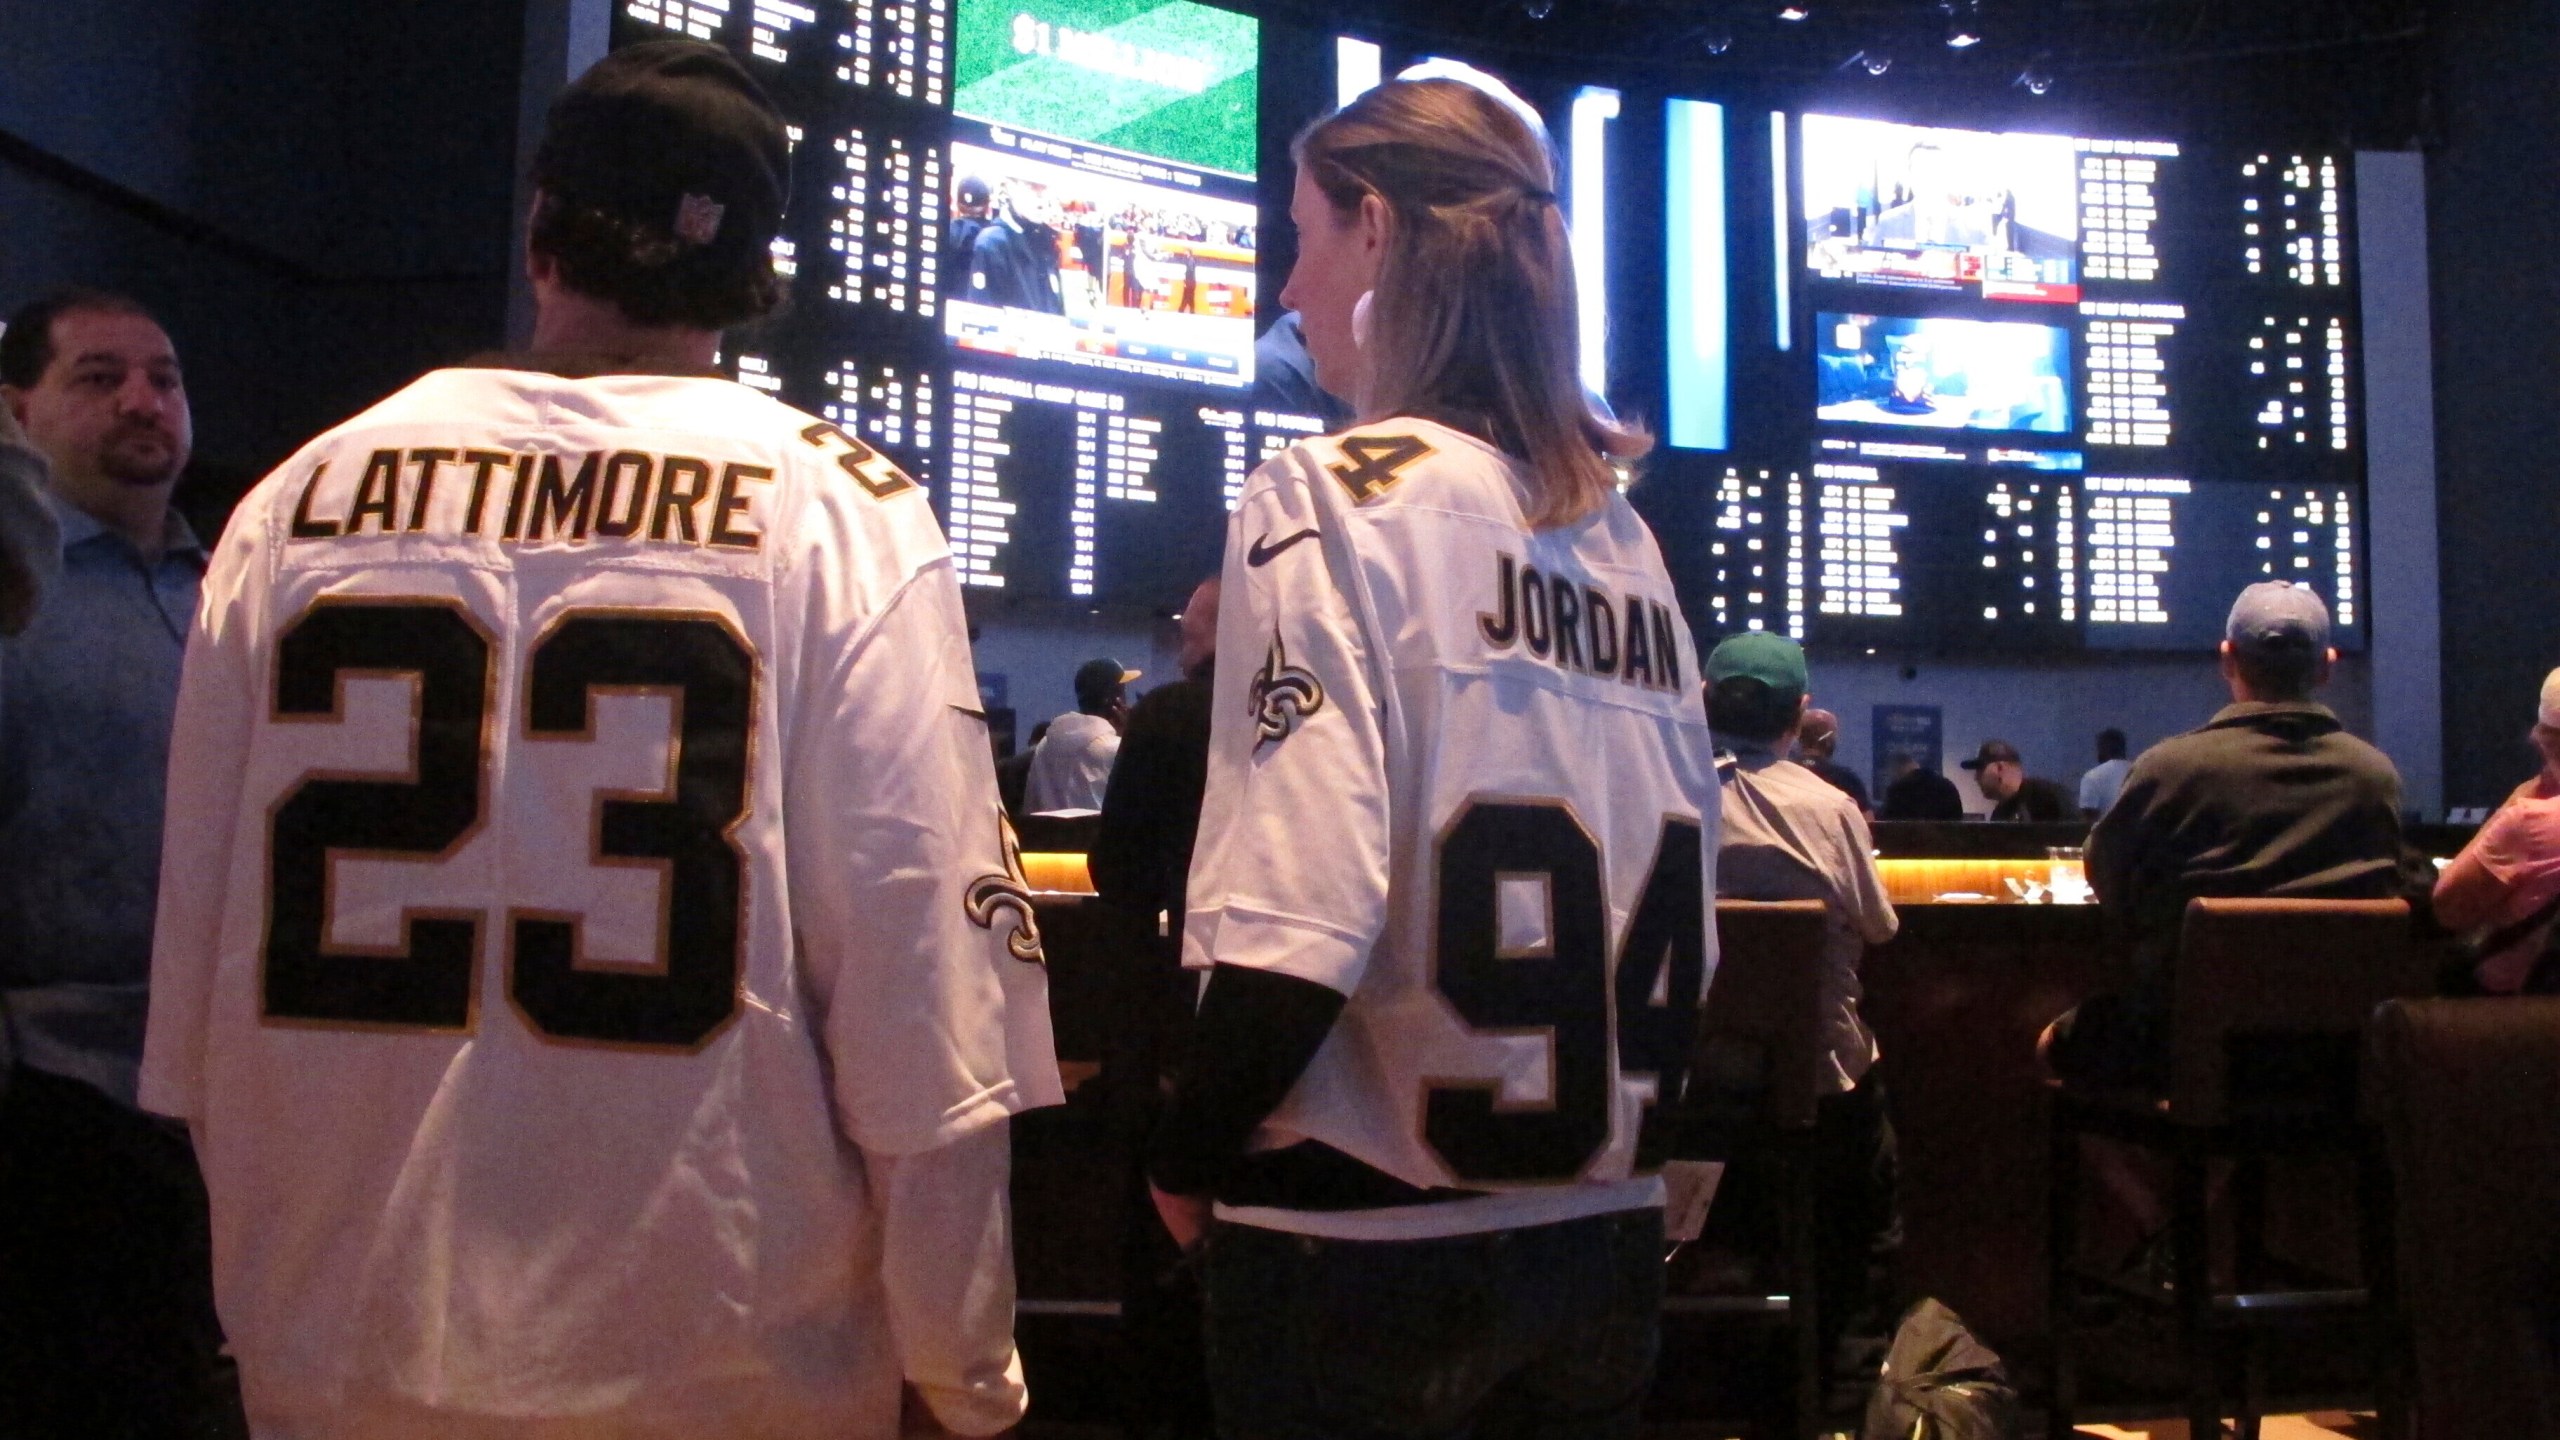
(2493, 183)
(316, 196)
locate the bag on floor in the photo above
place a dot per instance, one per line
(1940, 1383)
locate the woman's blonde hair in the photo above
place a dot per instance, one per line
(1474, 317)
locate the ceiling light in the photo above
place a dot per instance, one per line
(2037, 78)
(1794, 11)
(1963, 33)
(1717, 41)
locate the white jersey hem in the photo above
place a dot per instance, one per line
(1515, 1211)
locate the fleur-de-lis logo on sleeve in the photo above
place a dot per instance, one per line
(1283, 695)
(1008, 894)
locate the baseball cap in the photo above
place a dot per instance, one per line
(2278, 615)
(2548, 712)
(1096, 680)
(675, 136)
(1773, 660)
(1992, 753)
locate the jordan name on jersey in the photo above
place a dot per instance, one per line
(1580, 628)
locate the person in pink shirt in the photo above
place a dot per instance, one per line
(2505, 885)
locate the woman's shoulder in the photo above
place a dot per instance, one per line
(1391, 460)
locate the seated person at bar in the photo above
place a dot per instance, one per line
(2271, 797)
(1919, 792)
(1817, 740)
(2505, 885)
(2102, 782)
(1789, 836)
(2014, 794)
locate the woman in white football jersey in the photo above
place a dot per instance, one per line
(1455, 858)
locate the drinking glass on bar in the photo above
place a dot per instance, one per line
(2067, 878)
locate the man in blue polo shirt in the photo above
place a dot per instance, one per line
(105, 1281)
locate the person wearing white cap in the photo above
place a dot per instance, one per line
(2504, 888)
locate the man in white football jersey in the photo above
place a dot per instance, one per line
(592, 960)
(1454, 868)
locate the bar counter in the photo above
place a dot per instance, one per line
(1956, 1001)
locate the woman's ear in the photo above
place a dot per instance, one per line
(1373, 224)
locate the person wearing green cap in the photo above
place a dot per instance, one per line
(1790, 835)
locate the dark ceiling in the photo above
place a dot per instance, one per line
(2353, 69)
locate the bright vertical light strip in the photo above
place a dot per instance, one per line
(1694, 290)
(1356, 65)
(1780, 222)
(1588, 164)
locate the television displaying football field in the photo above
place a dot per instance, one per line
(1160, 78)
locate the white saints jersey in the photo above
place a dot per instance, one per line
(585, 899)
(1460, 772)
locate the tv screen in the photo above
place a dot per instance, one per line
(1102, 196)
(1944, 374)
(1921, 206)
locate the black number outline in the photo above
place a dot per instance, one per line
(858, 459)
(1464, 1121)
(1653, 942)
(539, 930)
(282, 967)
(1657, 1037)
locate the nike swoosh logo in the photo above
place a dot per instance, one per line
(1262, 552)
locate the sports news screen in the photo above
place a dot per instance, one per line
(2021, 392)
(1023, 248)
(1103, 203)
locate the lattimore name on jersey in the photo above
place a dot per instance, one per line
(536, 496)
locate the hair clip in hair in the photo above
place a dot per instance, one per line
(698, 219)
(1360, 319)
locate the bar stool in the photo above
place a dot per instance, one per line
(2269, 1003)
(2465, 1091)
(1753, 1083)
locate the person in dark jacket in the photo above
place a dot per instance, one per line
(2271, 797)
(2014, 794)
(1151, 809)
(1816, 742)
(969, 206)
(1141, 864)
(1013, 259)
(1919, 792)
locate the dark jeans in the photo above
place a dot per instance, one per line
(2111, 1042)
(107, 1328)
(1857, 1231)
(1546, 1332)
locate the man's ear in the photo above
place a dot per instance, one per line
(16, 400)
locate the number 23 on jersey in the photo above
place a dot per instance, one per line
(427, 982)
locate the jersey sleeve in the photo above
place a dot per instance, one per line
(218, 701)
(1295, 879)
(913, 922)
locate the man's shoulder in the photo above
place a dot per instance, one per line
(2361, 752)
